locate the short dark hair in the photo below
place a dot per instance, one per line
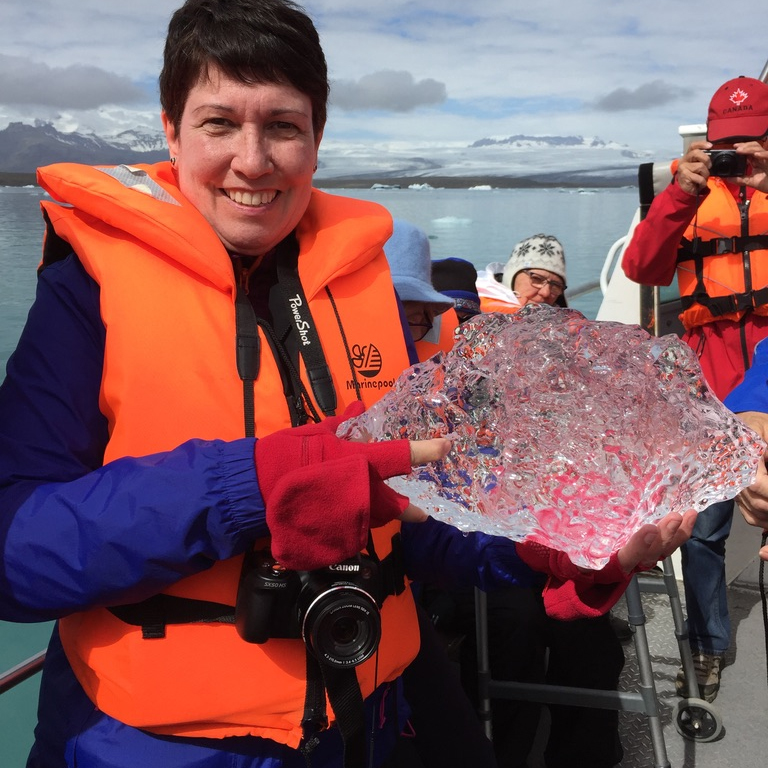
(253, 41)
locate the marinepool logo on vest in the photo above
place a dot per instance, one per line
(367, 361)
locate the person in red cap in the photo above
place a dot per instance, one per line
(710, 227)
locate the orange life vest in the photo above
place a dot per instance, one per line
(167, 293)
(441, 337)
(488, 304)
(722, 269)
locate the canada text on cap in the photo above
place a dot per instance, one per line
(738, 111)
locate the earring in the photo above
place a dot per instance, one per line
(315, 168)
(173, 161)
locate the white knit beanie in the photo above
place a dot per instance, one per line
(536, 252)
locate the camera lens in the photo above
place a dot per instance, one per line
(342, 626)
(345, 630)
(726, 163)
(722, 164)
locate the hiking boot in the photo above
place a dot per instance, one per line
(708, 667)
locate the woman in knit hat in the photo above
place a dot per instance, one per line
(535, 272)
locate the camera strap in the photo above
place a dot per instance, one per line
(248, 350)
(315, 715)
(248, 363)
(154, 613)
(346, 701)
(295, 324)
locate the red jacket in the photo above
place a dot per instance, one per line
(724, 347)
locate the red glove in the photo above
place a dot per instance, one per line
(322, 494)
(571, 593)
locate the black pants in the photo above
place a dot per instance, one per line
(447, 731)
(583, 653)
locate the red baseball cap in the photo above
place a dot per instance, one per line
(738, 111)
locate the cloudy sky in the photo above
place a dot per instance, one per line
(411, 71)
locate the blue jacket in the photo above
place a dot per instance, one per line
(752, 393)
(73, 535)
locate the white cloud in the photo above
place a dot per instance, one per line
(75, 86)
(387, 90)
(645, 96)
(624, 71)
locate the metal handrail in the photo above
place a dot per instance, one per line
(21, 672)
(609, 263)
(582, 290)
(764, 74)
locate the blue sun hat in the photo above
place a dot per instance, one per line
(410, 263)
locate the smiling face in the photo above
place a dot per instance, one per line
(245, 155)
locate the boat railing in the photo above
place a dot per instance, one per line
(610, 263)
(582, 290)
(21, 672)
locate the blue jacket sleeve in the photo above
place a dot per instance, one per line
(440, 554)
(752, 393)
(74, 533)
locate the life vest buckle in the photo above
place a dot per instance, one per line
(760, 297)
(744, 301)
(723, 245)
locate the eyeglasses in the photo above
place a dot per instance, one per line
(539, 281)
(419, 330)
(419, 317)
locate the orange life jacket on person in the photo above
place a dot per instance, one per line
(722, 264)
(167, 293)
(494, 295)
(488, 304)
(441, 337)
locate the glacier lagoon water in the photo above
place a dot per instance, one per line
(481, 225)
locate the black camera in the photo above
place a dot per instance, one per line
(727, 162)
(335, 609)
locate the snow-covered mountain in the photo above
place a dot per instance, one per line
(537, 159)
(25, 147)
(506, 160)
(140, 141)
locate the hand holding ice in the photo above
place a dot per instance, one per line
(569, 432)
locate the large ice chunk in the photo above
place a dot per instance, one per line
(569, 432)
